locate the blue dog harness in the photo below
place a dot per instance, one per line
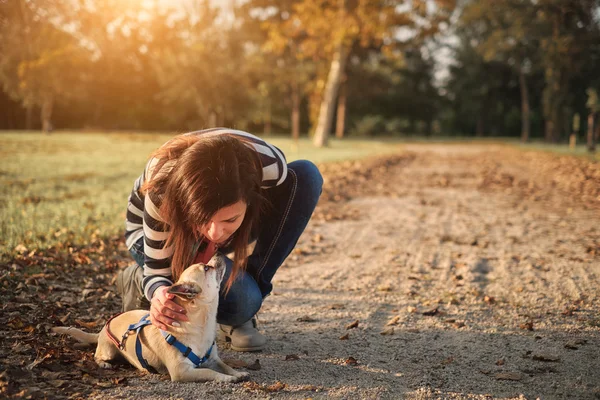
(172, 340)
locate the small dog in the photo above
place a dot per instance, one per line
(197, 290)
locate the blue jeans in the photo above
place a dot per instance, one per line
(289, 208)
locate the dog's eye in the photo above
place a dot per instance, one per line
(206, 268)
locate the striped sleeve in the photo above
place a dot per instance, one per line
(157, 257)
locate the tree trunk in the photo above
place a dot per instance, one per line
(295, 113)
(46, 115)
(267, 125)
(29, 118)
(330, 93)
(549, 132)
(212, 119)
(479, 129)
(524, 107)
(340, 124)
(591, 145)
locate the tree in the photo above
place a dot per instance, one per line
(335, 28)
(503, 31)
(36, 56)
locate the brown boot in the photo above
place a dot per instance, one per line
(129, 287)
(245, 337)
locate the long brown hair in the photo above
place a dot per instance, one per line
(204, 174)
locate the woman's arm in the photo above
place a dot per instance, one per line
(157, 263)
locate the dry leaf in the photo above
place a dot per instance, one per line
(489, 299)
(255, 366)
(351, 361)
(527, 326)
(345, 337)
(500, 362)
(393, 321)
(37, 361)
(387, 331)
(276, 387)
(431, 312)
(352, 325)
(337, 306)
(508, 376)
(545, 357)
(89, 325)
(292, 357)
(306, 318)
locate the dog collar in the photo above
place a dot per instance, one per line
(187, 351)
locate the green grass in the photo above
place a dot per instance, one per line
(71, 187)
(68, 188)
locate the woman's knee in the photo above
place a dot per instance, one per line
(241, 302)
(308, 175)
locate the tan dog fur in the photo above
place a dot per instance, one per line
(198, 333)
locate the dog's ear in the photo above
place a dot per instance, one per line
(185, 291)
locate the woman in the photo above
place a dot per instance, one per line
(216, 189)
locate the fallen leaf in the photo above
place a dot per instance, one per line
(384, 288)
(489, 299)
(122, 380)
(292, 357)
(527, 326)
(345, 337)
(36, 362)
(352, 325)
(545, 357)
(255, 366)
(393, 321)
(459, 324)
(508, 376)
(306, 318)
(64, 319)
(500, 362)
(337, 306)
(431, 312)
(351, 361)
(89, 325)
(276, 387)
(387, 331)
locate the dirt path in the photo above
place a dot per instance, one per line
(470, 273)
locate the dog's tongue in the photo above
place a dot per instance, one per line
(206, 254)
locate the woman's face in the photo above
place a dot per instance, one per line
(224, 223)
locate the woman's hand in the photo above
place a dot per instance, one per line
(165, 312)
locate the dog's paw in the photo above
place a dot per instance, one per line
(241, 375)
(104, 364)
(228, 378)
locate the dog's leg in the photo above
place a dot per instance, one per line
(226, 369)
(182, 373)
(106, 351)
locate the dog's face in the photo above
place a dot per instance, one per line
(200, 283)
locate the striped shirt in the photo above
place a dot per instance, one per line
(143, 219)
